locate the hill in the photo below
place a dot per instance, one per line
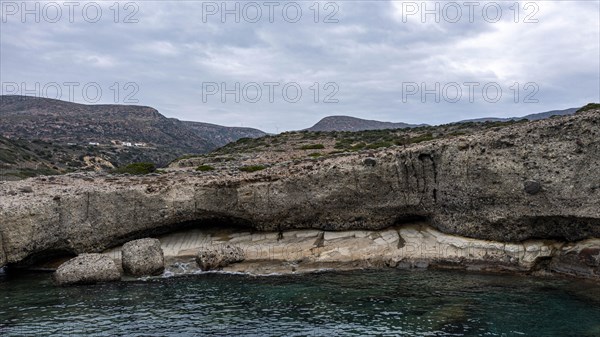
(23, 158)
(347, 123)
(300, 145)
(221, 135)
(157, 138)
(531, 117)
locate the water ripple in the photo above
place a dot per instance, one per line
(359, 303)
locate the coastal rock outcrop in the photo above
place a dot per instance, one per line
(87, 269)
(406, 246)
(470, 186)
(578, 260)
(215, 257)
(143, 257)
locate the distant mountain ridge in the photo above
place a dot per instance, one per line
(531, 117)
(348, 123)
(221, 135)
(65, 122)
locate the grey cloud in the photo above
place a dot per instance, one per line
(369, 53)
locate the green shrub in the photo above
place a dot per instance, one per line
(310, 135)
(312, 147)
(358, 146)
(498, 124)
(204, 168)
(222, 159)
(590, 106)
(342, 144)
(244, 140)
(315, 155)
(187, 156)
(7, 156)
(378, 145)
(137, 168)
(422, 138)
(252, 168)
(401, 141)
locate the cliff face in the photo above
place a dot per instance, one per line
(538, 180)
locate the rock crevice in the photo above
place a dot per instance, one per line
(2, 252)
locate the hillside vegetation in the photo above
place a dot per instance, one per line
(21, 158)
(160, 139)
(299, 145)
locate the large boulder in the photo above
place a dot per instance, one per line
(215, 257)
(87, 269)
(143, 257)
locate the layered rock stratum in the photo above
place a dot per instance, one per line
(529, 181)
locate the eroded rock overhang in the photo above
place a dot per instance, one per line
(536, 180)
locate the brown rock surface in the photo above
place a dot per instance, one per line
(87, 269)
(143, 257)
(470, 186)
(219, 256)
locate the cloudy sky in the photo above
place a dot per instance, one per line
(284, 65)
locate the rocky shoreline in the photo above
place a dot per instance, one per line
(410, 246)
(530, 182)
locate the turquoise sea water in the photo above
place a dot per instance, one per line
(358, 303)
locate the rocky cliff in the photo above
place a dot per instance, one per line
(536, 180)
